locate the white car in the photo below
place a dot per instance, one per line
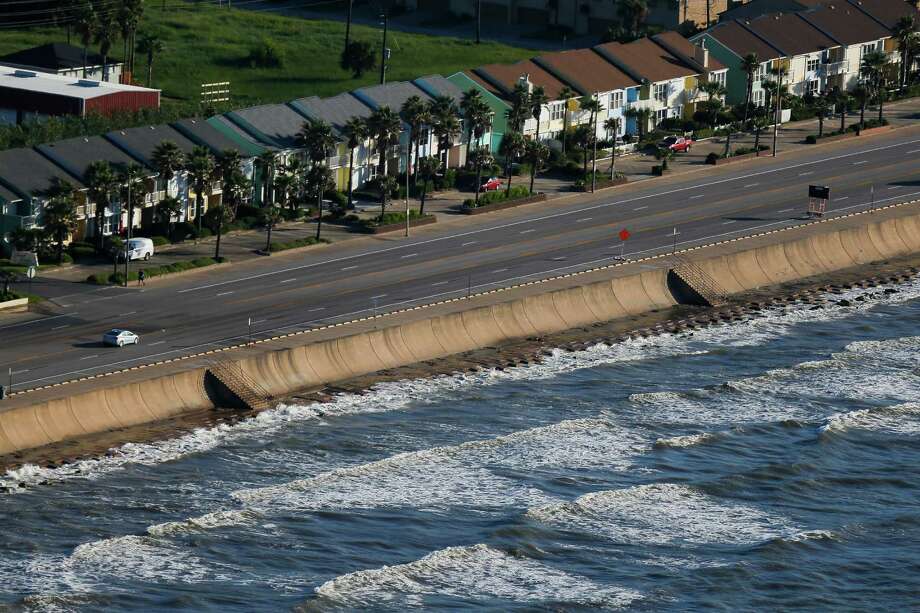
(120, 338)
(138, 249)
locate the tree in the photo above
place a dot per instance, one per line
(873, 69)
(593, 106)
(427, 170)
(713, 104)
(385, 185)
(861, 95)
(480, 158)
(520, 109)
(538, 100)
(268, 162)
(477, 116)
(168, 209)
(642, 117)
(612, 126)
(271, 215)
(284, 188)
(60, 213)
(840, 98)
(167, 160)
(133, 191)
(633, 13)
(759, 120)
(416, 114)
(127, 18)
(511, 149)
(664, 155)
(905, 31)
(565, 94)
(355, 132)
(750, 64)
(445, 123)
(233, 185)
(150, 46)
(201, 167)
(85, 26)
(101, 183)
(358, 57)
(318, 138)
(822, 107)
(384, 126)
(105, 33)
(535, 154)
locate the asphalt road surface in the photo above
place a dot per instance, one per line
(352, 278)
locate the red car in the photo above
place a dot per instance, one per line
(676, 143)
(491, 185)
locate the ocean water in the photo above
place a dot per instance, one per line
(767, 464)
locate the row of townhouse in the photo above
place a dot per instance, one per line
(821, 48)
(660, 74)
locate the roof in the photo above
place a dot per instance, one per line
(436, 85)
(393, 95)
(204, 133)
(646, 59)
(141, 142)
(789, 33)
(6, 196)
(845, 23)
(504, 77)
(763, 7)
(54, 56)
(335, 111)
(742, 41)
(585, 71)
(76, 154)
(684, 49)
(886, 12)
(275, 125)
(482, 83)
(60, 85)
(28, 173)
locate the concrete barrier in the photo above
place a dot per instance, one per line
(736, 265)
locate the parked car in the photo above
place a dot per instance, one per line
(120, 338)
(491, 185)
(138, 249)
(676, 143)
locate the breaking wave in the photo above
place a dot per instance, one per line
(897, 419)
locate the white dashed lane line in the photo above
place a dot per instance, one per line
(224, 294)
(288, 280)
(349, 268)
(90, 357)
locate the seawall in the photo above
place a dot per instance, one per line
(316, 358)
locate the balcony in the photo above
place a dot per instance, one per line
(834, 68)
(650, 104)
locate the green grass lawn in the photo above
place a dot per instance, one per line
(208, 44)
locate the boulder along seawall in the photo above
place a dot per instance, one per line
(254, 374)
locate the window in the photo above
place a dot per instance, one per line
(557, 111)
(812, 64)
(757, 97)
(718, 77)
(661, 92)
(678, 111)
(616, 100)
(813, 87)
(864, 49)
(660, 115)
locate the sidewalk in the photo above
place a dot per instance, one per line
(243, 245)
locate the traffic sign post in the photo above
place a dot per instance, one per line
(30, 273)
(675, 234)
(818, 196)
(624, 236)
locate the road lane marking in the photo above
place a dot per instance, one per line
(751, 185)
(583, 219)
(639, 208)
(408, 255)
(697, 196)
(860, 162)
(19, 372)
(61, 327)
(914, 151)
(499, 270)
(316, 309)
(787, 210)
(156, 343)
(805, 174)
(378, 296)
(350, 267)
(258, 321)
(440, 283)
(35, 321)
(469, 243)
(224, 294)
(129, 313)
(90, 357)
(528, 231)
(840, 198)
(895, 186)
(725, 223)
(603, 205)
(289, 280)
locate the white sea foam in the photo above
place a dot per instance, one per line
(663, 513)
(897, 419)
(208, 521)
(399, 395)
(474, 574)
(687, 440)
(459, 475)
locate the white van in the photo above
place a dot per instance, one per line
(138, 249)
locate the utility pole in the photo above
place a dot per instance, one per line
(594, 154)
(128, 232)
(408, 161)
(779, 89)
(384, 52)
(478, 21)
(348, 24)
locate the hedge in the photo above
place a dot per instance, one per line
(154, 271)
(517, 191)
(294, 244)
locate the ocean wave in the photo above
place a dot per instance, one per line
(459, 475)
(687, 440)
(897, 419)
(473, 573)
(208, 521)
(662, 513)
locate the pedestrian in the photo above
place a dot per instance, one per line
(141, 276)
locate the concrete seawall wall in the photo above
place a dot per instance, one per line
(737, 266)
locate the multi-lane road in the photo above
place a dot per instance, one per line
(293, 292)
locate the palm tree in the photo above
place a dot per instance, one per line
(714, 91)
(642, 117)
(150, 46)
(822, 108)
(200, 166)
(905, 31)
(284, 187)
(520, 109)
(538, 100)
(593, 106)
(477, 116)
(444, 113)
(427, 170)
(841, 100)
(233, 185)
(535, 153)
(168, 209)
(873, 69)
(613, 125)
(512, 148)
(267, 162)
(384, 126)
(85, 26)
(565, 94)
(271, 215)
(416, 114)
(133, 191)
(105, 34)
(355, 132)
(101, 183)
(319, 140)
(480, 158)
(633, 13)
(60, 213)
(749, 66)
(168, 160)
(664, 155)
(861, 95)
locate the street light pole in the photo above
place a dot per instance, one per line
(779, 87)
(478, 21)
(408, 161)
(128, 232)
(594, 154)
(383, 51)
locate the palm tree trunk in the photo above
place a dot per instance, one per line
(613, 159)
(319, 218)
(421, 209)
(565, 126)
(149, 70)
(533, 173)
(84, 60)
(820, 125)
(862, 113)
(268, 240)
(351, 176)
(843, 117)
(478, 178)
(508, 188)
(880, 96)
(220, 227)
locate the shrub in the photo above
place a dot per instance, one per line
(517, 191)
(51, 258)
(82, 253)
(338, 198)
(182, 231)
(159, 241)
(265, 55)
(712, 158)
(97, 279)
(205, 233)
(811, 139)
(294, 244)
